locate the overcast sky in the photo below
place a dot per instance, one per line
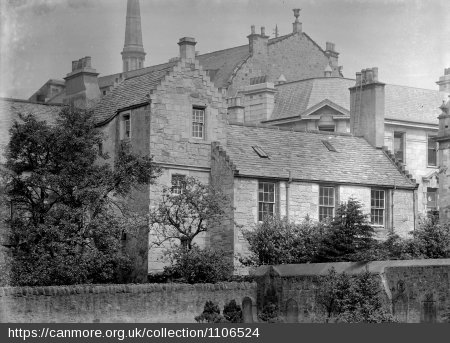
(409, 41)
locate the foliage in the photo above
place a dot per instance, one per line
(66, 226)
(198, 265)
(233, 312)
(210, 314)
(270, 313)
(349, 237)
(184, 216)
(278, 241)
(352, 299)
(432, 240)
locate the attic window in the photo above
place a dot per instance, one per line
(261, 153)
(329, 146)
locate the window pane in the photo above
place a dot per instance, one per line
(432, 151)
(266, 199)
(399, 146)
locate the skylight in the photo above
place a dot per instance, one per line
(329, 146)
(261, 153)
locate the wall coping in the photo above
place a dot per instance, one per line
(121, 288)
(352, 268)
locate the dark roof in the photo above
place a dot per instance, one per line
(401, 102)
(355, 162)
(131, 92)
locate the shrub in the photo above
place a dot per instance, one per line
(198, 265)
(278, 241)
(352, 299)
(232, 312)
(210, 314)
(270, 313)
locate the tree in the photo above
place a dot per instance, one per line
(68, 202)
(350, 236)
(184, 215)
(278, 241)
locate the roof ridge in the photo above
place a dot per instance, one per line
(213, 52)
(278, 128)
(314, 78)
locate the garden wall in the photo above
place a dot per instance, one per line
(415, 290)
(145, 303)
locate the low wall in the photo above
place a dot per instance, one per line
(415, 290)
(146, 303)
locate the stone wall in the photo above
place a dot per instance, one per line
(415, 290)
(296, 56)
(147, 303)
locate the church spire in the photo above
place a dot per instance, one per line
(133, 54)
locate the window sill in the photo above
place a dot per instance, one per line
(199, 141)
(433, 167)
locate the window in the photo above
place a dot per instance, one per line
(266, 199)
(326, 128)
(377, 206)
(432, 195)
(127, 126)
(432, 151)
(326, 202)
(261, 153)
(399, 146)
(198, 123)
(328, 145)
(178, 184)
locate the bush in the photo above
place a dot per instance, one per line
(278, 241)
(270, 313)
(233, 312)
(352, 299)
(198, 266)
(210, 314)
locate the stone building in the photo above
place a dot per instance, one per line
(272, 122)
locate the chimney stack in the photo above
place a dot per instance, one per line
(444, 81)
(235, 110)
(187, 48)
(333, 55)
(82, 84)
(296, 25)
(257, 44)
(443, 139)
(367, 107)
(259, 100)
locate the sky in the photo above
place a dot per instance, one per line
(408, 40)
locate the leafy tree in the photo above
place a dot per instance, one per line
(350, 236)
(352, 299)
(278, 241)
(68, 216)
(185, 215)
(198, 265)
(431, 239)
(233, 312)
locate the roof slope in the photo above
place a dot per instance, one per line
(132, 91)
(401, 102)
(304, 153)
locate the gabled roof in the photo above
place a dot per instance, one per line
(131, 92)
(401, 102)
(308, 159)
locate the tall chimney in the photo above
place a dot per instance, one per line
(235, 110)
(444, 163)
(187, 48)
(367, 107)
(82, 84)
(259, 100)
(444, 81)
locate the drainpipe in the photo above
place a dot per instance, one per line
(288, 184)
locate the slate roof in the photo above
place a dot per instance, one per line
(401, 102)
(132, 91)
(355, 162)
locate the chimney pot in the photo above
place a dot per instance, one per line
(263, 31)
(252, 28)
(87, 62)
(446, 71)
